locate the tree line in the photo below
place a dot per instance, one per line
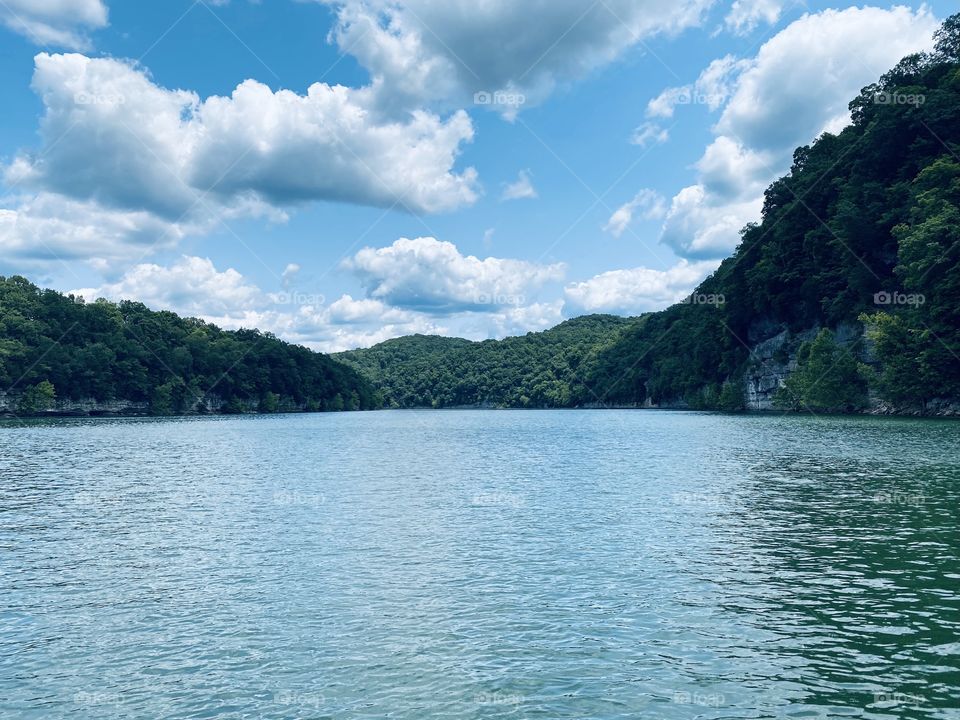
(55, 346)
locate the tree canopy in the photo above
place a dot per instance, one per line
(57, 346)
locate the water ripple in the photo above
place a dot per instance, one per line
(480, 565)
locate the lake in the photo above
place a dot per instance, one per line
(480, 564)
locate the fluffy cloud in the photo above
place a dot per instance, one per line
(711, 89)
(63, 23)
(46, 227)
(649, 133)
(431, 275)
(650, 204)
(746, 15)
(521, 189)
(424, 51)
(113, 136)
(798, 86)
(192, 286)
(803, 78)
(700, 226)
(125, 164)
(488, 304)
(638, 290)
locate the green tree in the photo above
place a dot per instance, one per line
(731, 397)
(269, 403)
(37, 398)
(905, 377)
(161, 399)
(106, 351)
(827, 379)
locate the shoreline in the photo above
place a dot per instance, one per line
(6, 415)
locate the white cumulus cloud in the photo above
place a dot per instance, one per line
(424, 51)
(798, 86)
(191, 286)
(38, 229)
(637, 290)
(124, 163)
(432, 275)
(111, 135)
(194, 286)
(61, 23)
(746, 15)
(650, 205)
(521, 189)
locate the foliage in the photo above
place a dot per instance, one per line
(124, 351)
(827, 379)
(906, 354)
(535, 370)
(869, 213)
(37, 398)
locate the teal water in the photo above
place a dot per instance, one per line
(480, 564)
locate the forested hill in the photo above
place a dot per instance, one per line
(55, 349)
(845, 294)
(534, 370)
(863, 232)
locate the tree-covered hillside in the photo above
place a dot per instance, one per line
(865, 228)
(58, 347)
(864, 231)
(535, 370)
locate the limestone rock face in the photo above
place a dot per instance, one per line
(79, 408)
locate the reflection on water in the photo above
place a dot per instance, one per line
(480, 565)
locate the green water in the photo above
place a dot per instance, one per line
(473, 564)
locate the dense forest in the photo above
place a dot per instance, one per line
(535, 370)
(864, 231)
(56, 347)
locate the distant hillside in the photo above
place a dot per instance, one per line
(535, 370)
(844, 297)
(60, 354)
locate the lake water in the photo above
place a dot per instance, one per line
(480, 564)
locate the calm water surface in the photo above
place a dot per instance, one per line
(480, 565)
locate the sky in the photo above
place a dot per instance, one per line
(341, 172)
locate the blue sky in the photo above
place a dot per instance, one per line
(343, 171)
